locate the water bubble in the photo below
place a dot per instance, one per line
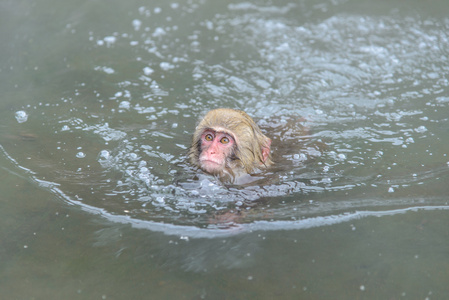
(148, 71)
(80, 155)
(104, 154)
(326, 180)
(421, 129)
(107, 70)
(110, 40)
(166, 66)
(124, 105)
(21, 116)
(133, 156)
(136, 24)
(300, 156)
(144, 170)
(341, 156)
(159, 32)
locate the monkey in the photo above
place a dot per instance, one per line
(228, 143)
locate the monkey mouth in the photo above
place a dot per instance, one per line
(211, 162)
(211, 166)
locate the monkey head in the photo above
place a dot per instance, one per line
(228, 141)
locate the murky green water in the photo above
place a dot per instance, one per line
(99, 100)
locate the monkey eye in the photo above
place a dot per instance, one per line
(224, 140)
(209, 137)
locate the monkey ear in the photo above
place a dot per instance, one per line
(266, 150)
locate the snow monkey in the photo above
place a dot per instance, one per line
(227, 142)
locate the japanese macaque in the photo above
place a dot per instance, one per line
(228, 143)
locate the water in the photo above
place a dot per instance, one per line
(97, 111)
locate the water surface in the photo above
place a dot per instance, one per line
(97, 112)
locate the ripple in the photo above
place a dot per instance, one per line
(369, 88)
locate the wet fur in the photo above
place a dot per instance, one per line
(247, 154)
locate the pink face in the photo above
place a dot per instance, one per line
(215, 148)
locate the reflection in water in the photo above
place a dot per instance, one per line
(371, 89)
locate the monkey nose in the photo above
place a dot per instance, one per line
(213, 149)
